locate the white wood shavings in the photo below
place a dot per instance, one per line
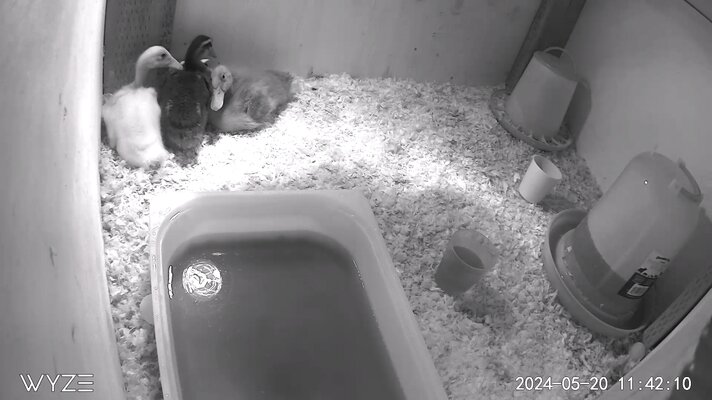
(431, 159)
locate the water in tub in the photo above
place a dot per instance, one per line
(272, 319)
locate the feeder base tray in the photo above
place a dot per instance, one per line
(562, 223)
(561, 141)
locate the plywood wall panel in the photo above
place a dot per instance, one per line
(466, 42)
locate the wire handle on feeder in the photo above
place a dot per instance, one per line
(563, 53)
(696, 195)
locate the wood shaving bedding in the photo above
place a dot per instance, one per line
(431, 159)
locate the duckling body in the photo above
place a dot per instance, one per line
(133, 128)
(253, 100)
(132, 114)
(184, 98)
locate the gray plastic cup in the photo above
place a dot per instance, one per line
(468, 256)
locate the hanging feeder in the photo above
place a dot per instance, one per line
(535, 110)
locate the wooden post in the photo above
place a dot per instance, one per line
(552, 25)
(697, 372)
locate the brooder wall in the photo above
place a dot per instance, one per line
(54, 301)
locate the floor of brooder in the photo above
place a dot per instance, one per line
(431, 159)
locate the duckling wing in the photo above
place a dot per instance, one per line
(278, 85)
(184, 98)
(259, 107)
(268, 94)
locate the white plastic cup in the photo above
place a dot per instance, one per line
(541, 177)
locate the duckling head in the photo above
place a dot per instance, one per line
(200, 47)
(221, 80)
(158, 57)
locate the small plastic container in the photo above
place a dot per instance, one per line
(468, 256)
(540, 178)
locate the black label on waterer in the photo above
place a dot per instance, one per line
(637, 286)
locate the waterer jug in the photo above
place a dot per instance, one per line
(632, 234)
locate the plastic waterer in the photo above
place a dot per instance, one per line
(631, 235)
(543, 94)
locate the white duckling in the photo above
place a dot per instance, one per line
(244, 100)
(132, 114)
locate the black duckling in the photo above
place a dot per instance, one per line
(184, 97)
